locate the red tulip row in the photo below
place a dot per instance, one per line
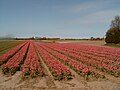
(10, 53)
(89, 61)
(110, 53)
(110, 61)
(31, 65)
(104, 60)
(13, 64)
(58, 70)
(80, 68)
(92, 51)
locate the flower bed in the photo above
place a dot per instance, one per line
(58, 70)
(32, 65)
(13, 64)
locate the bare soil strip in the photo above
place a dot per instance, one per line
(49, 78)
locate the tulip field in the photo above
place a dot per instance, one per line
(89, 62)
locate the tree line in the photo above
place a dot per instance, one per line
(113, 34)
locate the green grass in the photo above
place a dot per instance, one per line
(4, 51)
(113, 45)
(7, 45)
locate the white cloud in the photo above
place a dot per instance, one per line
(92, 5)
(81, 7)
(104, 16)
(100, 16)
(84, 6)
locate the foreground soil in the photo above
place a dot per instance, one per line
(48, 83)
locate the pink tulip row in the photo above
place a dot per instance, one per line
(113, 70)
(10, 53)
(31, 66)
(112, 63)
(110, 53)
(13, 64)
(93, 51)
(79, 67)
(105, 50)
(58, 70)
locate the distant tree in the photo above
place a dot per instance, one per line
(91, 38)
(116, 23)
(31, 38)
(113, 34)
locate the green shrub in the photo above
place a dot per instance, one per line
(113, 36)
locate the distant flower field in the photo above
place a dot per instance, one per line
(90, 62)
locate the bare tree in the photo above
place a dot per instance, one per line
(116, 23)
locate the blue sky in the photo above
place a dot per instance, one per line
(57, 18)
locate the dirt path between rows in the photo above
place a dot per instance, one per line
(44, 83)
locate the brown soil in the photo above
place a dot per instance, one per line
(87, 42)
(47, 83)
